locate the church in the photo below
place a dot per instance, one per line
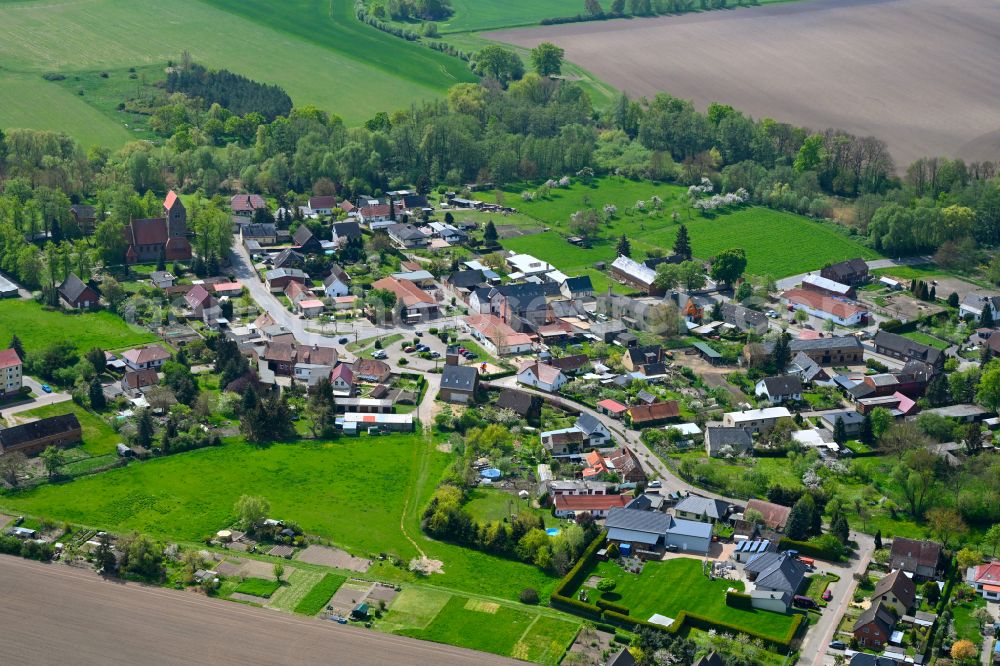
(148, 239)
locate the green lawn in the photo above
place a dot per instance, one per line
(320, 594)
(258, 587)
(297, 586)
(923, 338)
(777, 243)
(966, 626)
(39, 328)
(317, 51)
(488, 505)
(671, 586)
(99, 438)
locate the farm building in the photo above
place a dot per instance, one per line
(35, 437)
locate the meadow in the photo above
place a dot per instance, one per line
(38, 328)
(777, 243)
(671, 586)
(522, 632)
(316, 51)
(472, 15)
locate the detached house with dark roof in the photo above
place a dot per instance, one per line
(577, 287)
(780, 389)
(897, 590)
(458, 384)
(76, 294)
(343, 233)
(851, 272)
(874, 626)
(594, 432)
(703, 509)
(521, 403)
(776, 572)
(898, 347)
(721, 441)
(921, 558)
(305, 241)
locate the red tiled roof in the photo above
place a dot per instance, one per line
(612, 406)
(775, 515)
(152, 231)
(988, 573)
(407, 292)
(9, 358)
(136, 379)
(170, 200)
(818, 301)
(197, 296)
(146, 354)
(247, 202)
(227, 286)
(655, 412)
(590, 502)
(322, 201)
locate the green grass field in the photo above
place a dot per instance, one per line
(38, 328)
(777, 243)
(321, 592)
(923, 338)
(671, 586)
(470, 15)
(316, 50)
(487, 505)
(297, 585)
(522, 632)
(258, 587)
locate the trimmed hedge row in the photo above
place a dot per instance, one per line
(574, 575)
(575, 606)
(603, 604)
(811, 549)
(739, 600)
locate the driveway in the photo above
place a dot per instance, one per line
(41, 400)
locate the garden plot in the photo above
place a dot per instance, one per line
(350, 594)
(333, 557)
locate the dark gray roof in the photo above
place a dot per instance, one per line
(638, 521)
(260, 230)
(459, 377)
(777, 571)
(349, 230)
(302, 235)
(834, 342)
(703, 506)
(525, 292)
(850, 417)
(466, 279)
(579, 284)
(519, 401)
(910, 349)
(783, 385)
(24, 434)
(406, 231)
(72, 287)
(623, 658)
(288, 258)
(741, 317)
(881, 613)
(739, 438)
(866, 659)
(336, 273)
(588, 423)
(711, 659)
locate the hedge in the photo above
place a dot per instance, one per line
(811, 549)
(575, 606)
(739, 600)
(612, 606)
(572, 577)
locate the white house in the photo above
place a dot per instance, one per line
(779, 389)
(494, 334)
(595, 432)
(975, 303)
(541, 376)
(337, 283)
(528, 265)
(151, 356)
(311, 373)
(756, 420)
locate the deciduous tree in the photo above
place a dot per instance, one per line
(547, 58)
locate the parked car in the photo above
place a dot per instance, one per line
(379, 353)
(827, 594)
(46, 388)
(342, 341)
(838, 645)
(435, 354)
(419, 334)
(409, 349)
(423, 348)
(655, 484)
(803, 602)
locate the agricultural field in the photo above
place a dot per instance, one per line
(317, 596)
(671, 586)
(316, 51)
(523, 633)
(38, 328)
(892, 70)
(777, 243)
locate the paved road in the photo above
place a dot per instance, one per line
(42, 398)
(57, 614)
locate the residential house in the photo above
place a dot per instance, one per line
(756, 420)
(343, 233)
(458, 384)
(479, 300)
(658, 413)
(808, 371)
(635, 275)
(635, 358)
(625, 658)
(342, 379)
(85, 217)
(595, 433)
(322, 204)
(828, 287)
(417, 305)
(775, 515)
(288, 258)
(11, 372)
(365, 405)
(376, 216)
(837, 310)
(163, 237)
(711, 659)
(527, 265)
(744, 319)
(598, 506)
(296, 291)
(495, 335)
(523, 404)
(577, 287)
(623, 462)
(337, 283)
(349, 302)
(448, 233)
(464, 281)
(896, 346)
(779, 389)
(777, 572)
(245, 205)
(263, 234)
(704, 509)
(36, 436)
(612, 408)
(310, 308)
(923, 559)
(578, 487)
(852, 272)
(230, 289)
(76, 294)
(851, 419)
(133, 381)
(975, 303)
(202, 304)
(541, 376)
(840, 350)
(305, 241)
(562, 443)
(290, 359)
(868, 659)
(162, 279)
(522, 306)
(874, 626)
(896, 590)
(372, 370)
(407, 236)
(278, 279)
(985, 578)
(150, 356)
(746, 549)
(722, 441)
(418, 276)
(653, 532)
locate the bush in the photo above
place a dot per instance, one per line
(529, 595)
(606, 584)
(53, 76)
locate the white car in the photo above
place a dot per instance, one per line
(379, 353)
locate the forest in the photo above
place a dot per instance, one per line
(234, 92)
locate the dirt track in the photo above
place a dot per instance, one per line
(919, 74)
(54, 614)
